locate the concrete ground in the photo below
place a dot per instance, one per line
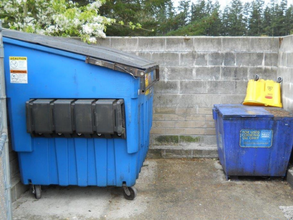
(167, 189)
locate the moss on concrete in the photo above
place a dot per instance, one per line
(189, 139)
(171, 139)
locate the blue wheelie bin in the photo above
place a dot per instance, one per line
(79, 114)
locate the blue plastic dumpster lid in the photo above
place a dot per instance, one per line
(97, 55)
(242, 111)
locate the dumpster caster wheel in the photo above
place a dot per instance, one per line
(38, 191)
(129, 193)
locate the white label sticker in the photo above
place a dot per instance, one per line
(18, 69)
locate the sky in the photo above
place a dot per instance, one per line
(225, 2)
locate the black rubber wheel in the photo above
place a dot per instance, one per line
(130, 193)
(38, 192)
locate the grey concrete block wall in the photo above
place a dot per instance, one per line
(285, 70)
(195, 74)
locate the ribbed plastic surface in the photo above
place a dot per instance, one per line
(253, 145)
(57, 74)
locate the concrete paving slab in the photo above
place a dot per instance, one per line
(167, 189)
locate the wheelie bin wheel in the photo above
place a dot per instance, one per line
(256, 77)
(38, 192)
(129, 193)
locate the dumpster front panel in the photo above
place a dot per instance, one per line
(56, 80)
(80, 161)
(255, 145)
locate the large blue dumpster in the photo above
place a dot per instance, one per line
(253, 141)
(79, 114)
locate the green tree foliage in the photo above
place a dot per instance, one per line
(152, 15)
(159, 17)
(255, 26)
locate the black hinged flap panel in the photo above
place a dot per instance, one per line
(76, 118)
(63, 116)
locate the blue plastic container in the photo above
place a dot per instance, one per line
(253, 141)
(62, 69)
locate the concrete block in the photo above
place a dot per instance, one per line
(190, 139)
(215, 59)
(290, 176)
(263, 72)
(167, 87)
(207, 73)
(183, 101)
(190, 124)
(190, 59)
(285, 73)
(249, 59)
(180, 73)
(145, 55)
(186, 101)
(200, 59)
(187, 111)
(221, 87)
(164, 124)
(206, 153)
(164, 110)
(174, 131)
(195, 117)
(125, 43)
(209, 118)
(232, 99)
(179, 44)
(105, 42)
(271, 59)
(169, 101)
(264, 44)
(207, 44)
(206, 111)
(210, 124)
(151, 44)
(166, 59)
(281, 60)
(177, 153)
(289, 59)
(157, 130)
(207, 100)
(164, 71)
(193, 87)
(168, 117)
(210, 131)
(17, 190)
(192, 131)
(236, 44)
(209, 139)
(234, 73)
(229, 59)
(182, 153)
(154, 154)
(240, 87)
(286, 89)
(14, 168)
(166, 140)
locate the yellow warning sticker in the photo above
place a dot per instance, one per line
(18, 70)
